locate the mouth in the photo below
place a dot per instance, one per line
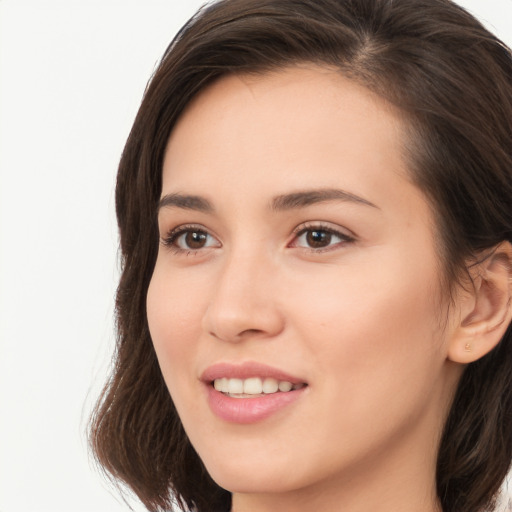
(250, 392)
(254, 387)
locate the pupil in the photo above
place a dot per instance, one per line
(318, 238)
(195, 239)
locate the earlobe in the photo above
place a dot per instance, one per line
(486, 308)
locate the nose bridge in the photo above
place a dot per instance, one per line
(243, 303)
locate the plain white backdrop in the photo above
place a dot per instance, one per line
(72, 74)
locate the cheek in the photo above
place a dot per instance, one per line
(174, 319)
(374, 328)
(374, 346)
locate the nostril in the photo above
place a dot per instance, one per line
(250, 332)
(247, 333)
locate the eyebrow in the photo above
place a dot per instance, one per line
(282, 202)
(187, 202)
(308, 197)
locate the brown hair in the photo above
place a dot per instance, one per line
(452, 79)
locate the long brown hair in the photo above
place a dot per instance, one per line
(452, 80)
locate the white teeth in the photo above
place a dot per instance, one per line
(270, 386)
(285, 386)
(235, 386)
(253, 386)
(221, 385)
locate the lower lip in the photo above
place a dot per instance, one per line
(250, 410)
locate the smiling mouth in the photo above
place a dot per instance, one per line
(253, 387)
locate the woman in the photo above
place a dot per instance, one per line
(314, 312)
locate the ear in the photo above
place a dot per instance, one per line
(486, 307)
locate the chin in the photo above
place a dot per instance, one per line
(251, 481)
(263, 474)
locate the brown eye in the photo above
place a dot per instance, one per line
(190, 239)
(317, 239)
(195, 239)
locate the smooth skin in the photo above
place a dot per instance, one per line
(343, 289)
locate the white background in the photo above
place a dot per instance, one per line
(72, 74)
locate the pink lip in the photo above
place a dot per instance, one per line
(248, 410)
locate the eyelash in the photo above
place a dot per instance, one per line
(323, 228)
(169, 241)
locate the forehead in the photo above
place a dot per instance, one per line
(293, 124)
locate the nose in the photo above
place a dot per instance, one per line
(244, 304)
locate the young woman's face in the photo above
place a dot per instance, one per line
(295, 253)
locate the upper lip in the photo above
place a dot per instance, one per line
(247, 370)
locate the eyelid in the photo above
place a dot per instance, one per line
(344, 234)
(173, 234)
